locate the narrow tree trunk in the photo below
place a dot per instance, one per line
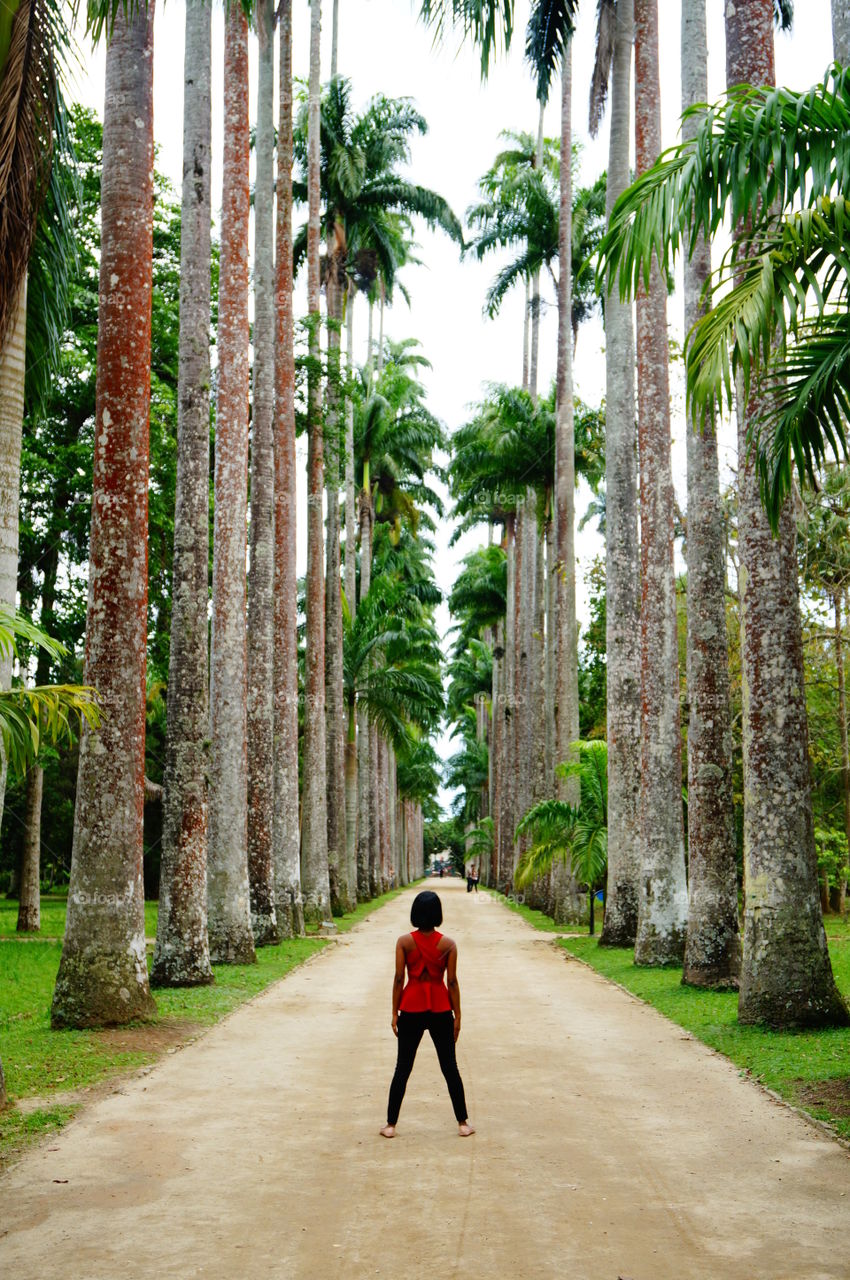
(496, 754)
(364, 760)
(351, 796)
(622, 566)
(261, 579)
(12, 373)
(334, 39)
(182, 955)
(29, 898)
(375, 826)
(551, 655)
(103, 976)
(285, 832)
(841, 31)
(567, 905)
(350, 496)
(712, 946)
(228, 892)
(662, 889)
(845, 751)
(314, 808)
(507, 770)
(786, 976)
(526, 332)
(341, 891)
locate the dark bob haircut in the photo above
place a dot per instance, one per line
(427, 911)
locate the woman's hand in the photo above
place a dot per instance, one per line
(395, 1025)
(457, 1027)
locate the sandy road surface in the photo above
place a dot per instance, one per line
(609, 1143)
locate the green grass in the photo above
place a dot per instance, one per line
(811, 1069)
(44, 1064)
(539, 918)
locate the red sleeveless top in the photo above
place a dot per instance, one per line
(426, 968)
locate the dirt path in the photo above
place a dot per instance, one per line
(609, 1143)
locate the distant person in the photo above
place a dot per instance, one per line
(442, 870)
(470, 876)
(475, 878)
(426, 1004)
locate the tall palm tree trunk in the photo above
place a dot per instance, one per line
(103, 976)
(375, 815)
(341, 891)
(567, 906)
(507, 683)
(786, 976)
(351, 796)
(261, 579)
(12, 375)
(314, 819)
(350, 496)
(622, 566)
(228, 891)
(662, 891)
(841, 31)
(712, 946)
(182, 956)
(496, 754)
(286, 830)
(841, 889)
(365, 764)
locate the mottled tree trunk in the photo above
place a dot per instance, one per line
(507, 688)
(103, 975)
(567, 905)
(261, 578)
(364, 760)
(341, 892)
(182, 956)
(713, 946)
(314, 804)
(662, 890)
(228, 892)
(285, 831)
(375, 831)
(786, 976)
(526, 333)
(551, 656)
(334, 38)
(12, 373)
(350, 496)
(351, 796)
(622, 565)
(841, 31)
(841, 889)
(29, 897)
(496, 757)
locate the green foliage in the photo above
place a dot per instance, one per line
(573, 834)
(757, 157)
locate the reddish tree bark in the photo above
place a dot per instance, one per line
(103, 976)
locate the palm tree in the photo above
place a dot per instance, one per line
(574, 833)
(615, 38)
(181, 957)
(786, 976)
(662, 889)
(103, 975)
(228, 890)
(712, 946)
(314, 831)
(285, 832)
(261, 578)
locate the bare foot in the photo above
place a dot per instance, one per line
(388, 1131)
(465, 1130)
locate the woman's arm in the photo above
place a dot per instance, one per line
(454, 987)
(398, 983)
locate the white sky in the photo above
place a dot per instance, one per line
(384, 48)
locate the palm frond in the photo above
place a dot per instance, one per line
(550, 28)
(606, 31)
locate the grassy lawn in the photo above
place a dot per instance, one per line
(49, 1073)
(811, 1069)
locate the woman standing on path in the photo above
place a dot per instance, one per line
(426, 1004)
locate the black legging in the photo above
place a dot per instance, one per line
(411, 1028)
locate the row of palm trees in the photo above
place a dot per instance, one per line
(295, 773)
(781, 965)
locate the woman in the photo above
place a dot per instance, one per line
(426, 1004)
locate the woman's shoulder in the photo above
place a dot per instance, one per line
(446, 943)
(405, 941)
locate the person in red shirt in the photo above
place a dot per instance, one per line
(426, 1004)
